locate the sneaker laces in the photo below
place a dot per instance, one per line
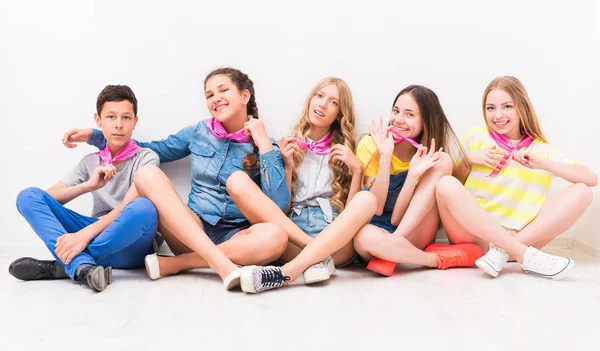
(452, 258)
(543, 260)
(495, 255)
(267, 278)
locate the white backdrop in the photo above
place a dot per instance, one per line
(56, 56)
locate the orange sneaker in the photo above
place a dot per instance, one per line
(455, 255)
(382, 267)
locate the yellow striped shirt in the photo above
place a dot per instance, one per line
(515, 196)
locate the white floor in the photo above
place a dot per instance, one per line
(458, 309)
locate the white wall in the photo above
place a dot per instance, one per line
(56, 56)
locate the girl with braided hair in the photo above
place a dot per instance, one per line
(211, 231)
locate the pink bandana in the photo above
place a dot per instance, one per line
(220, 132)
(504, 143)
(320, 147)
(122, 155)
(398, 139)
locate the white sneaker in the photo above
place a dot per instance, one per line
(545, 265)
(493, 261)
(233, 279)
(255, 279)
(152, 268)
(319, 271)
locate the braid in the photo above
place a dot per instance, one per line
(252, 158)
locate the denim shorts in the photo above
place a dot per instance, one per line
(223, 230)
(311, 220)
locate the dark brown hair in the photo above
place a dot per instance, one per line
(116, 93)
(437, 126)
(242, 82)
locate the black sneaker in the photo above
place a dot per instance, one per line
(27, 268)
(255, 279)
(96, 277)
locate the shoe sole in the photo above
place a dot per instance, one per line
(331, 267)
(108, 274)
(569, 267)
(247, 280)
(383, 267)
(312, 276)
(99, 279)
(486, 267)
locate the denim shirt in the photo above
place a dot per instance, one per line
(212, 162)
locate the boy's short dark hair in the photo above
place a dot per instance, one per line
(116, 93)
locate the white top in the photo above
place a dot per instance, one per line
(313, 187)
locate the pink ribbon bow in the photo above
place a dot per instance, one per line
(504, 143)
(320, 147)
(398, 139)
(122, 155)
(219, 131)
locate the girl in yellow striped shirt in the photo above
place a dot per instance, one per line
(502, 206)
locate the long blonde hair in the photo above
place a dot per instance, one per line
(342, 132)
(529, 123)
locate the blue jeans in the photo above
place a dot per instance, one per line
(123, 244)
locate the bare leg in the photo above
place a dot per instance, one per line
(423, 200)
(258, 245)
(175, 218)
(372, 241)
(335, 238)
(258, 208)
(415, 231)
(556, 216)
(468, 217)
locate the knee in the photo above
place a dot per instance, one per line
(145, 177)
(275, 238)
(144, 210)
(26, 196)
(447, 186)
(364, 239)
(445, 165)
(366, 201)
(584, 193)
(237, 182)
(143, 207)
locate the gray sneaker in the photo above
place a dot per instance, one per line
(319, 271)
(255, 279)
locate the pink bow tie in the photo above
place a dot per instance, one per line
(320, 147)
(504, 143)
(122, 155)
(219, 131)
